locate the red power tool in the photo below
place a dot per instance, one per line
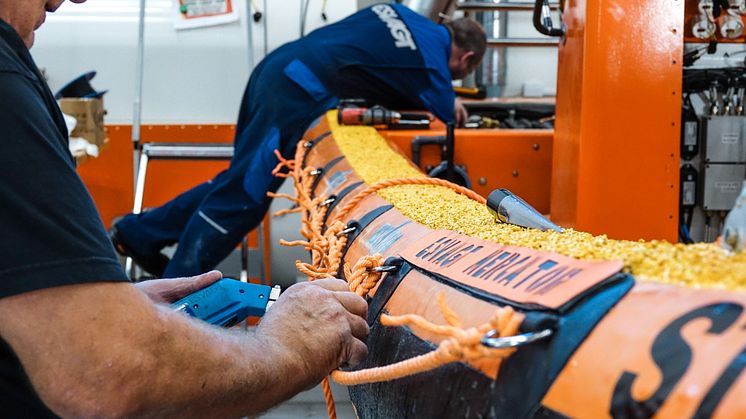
(376, 115)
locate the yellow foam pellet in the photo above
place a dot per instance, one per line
(701, 265)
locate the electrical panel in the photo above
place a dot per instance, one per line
(688, 187)
(724, 139)
(713, 149)
(724, 158)
(713, 117)
(721, 186)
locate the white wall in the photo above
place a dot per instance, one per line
(198, 76)
(192, 76)
(537, 65)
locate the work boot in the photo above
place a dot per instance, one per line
(154, 263)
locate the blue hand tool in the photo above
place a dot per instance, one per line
(228, 302)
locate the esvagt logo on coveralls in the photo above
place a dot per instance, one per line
(399, 31)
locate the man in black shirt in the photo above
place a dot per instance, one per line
(76, 339)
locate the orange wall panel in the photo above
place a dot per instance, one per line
(109, 178)
(616, 147)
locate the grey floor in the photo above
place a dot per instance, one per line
(310, 404)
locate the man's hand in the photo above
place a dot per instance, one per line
(321, 324)
(170, 290)
(460, 113)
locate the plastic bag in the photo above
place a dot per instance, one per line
(734, 232)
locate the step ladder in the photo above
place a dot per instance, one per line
(188, 151)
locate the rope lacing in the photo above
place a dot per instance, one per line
(461, 345)
(327, 246)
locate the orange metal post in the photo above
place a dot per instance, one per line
(616, 146)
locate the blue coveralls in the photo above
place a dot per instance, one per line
(387, 54)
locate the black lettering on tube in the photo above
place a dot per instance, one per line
(447, 245)
(546, 278)
(470, 270)
(426, 251)
(672, 355)
(545, 266)
(500, 269)
(504, 271)
(469, 250)
(713, 397)
(558, 281)
(518, 271)
(506, 257)
(445, 257)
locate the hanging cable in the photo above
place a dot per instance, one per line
(303, 16)
(257, 16)
(264, 27)
(323, 11)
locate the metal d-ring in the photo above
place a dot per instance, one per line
(308, 144)
(316, 172)
(489, 340)
(346, 231)
(384, 268)
(328, 201)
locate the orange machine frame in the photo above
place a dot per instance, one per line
(109, 177)
(616, 145)
(518, 160)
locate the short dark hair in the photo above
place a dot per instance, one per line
(468, 35)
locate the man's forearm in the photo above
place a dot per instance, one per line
(200, 370)
(134, 358)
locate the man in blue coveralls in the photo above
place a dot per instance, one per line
(386, 54)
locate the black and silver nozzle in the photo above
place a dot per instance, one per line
(509, 208)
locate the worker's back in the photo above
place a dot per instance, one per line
(386, 53)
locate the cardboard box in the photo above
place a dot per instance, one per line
(90, 116)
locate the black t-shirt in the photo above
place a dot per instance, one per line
(51, 232)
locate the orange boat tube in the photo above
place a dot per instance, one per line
(474, 318)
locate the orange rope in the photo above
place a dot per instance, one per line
(283, 162)
(362, 278)
(461, 345)
(448, 314)
(331, 410)
(286, 211)
(327, 247)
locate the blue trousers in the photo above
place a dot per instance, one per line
(210, 220)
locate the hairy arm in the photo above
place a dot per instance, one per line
(104, 349)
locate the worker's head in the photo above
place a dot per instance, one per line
(468, 43)
(25, 16)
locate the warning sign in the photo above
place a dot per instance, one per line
(200, 13)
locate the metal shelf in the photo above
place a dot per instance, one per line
(522, 42)
(474, 6)
(188, 151)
